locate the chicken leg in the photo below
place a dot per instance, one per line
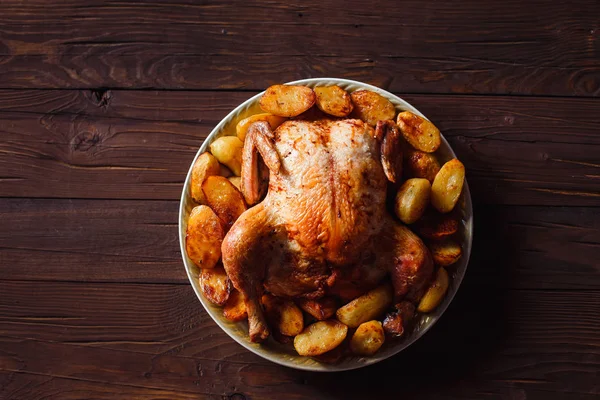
(243, 258)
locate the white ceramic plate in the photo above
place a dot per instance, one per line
(286, 355)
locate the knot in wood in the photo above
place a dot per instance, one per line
(101, 97)
(85, 141)
(236, 396)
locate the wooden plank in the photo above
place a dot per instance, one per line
(18, 385)
(40, 387)
(525, 151)
(536, 247)
(414, 30)
(137, 241)
(82, 240)
(146, 318)
(298, 12)
(105, 67)
(154, 105)
(151, 336)
(157, 45)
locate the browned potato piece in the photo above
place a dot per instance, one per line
(287, 100)
(228, 150)
(242, 127)
(395, 322)
(447, 186)
(236, 180)
(203, 237)
(235, 307)
(435, 293)
(366, 307)
(367, 339)
(333, 356)
(321, 309)
(215, 285)
(419, 132)
(372, 107)
(418, 164)
(283, 314)
(334, 100)
(320, 337)
(434, 225)
(412, 200)
(206, 165)
(446, 252)
(224, 198)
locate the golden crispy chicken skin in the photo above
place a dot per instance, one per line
(323, 225)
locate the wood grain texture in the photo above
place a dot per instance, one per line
(547, 48)
(22, 385)
(103, 105)
(40, 387)
(106, 67)
(137, 241)
(85, 240)
(139, 144)
(151, 337)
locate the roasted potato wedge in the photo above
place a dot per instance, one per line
(372, 107)
(215, 285)
(447, 186)
(320, 309)
(435, 293)
(334, 100)
(366, 307)
(206, 165)
(287, 100)
(242, 127)
(228, 150)
(224, 198)
(335, 355)
(418, 164)
(367, 339)
(235, 307)
(203, 237)
(446, 252)
(320, 337)
(435, 226)
(395, 322)
(419, 132)
(283, 314)
(237, 181)
(412, 199)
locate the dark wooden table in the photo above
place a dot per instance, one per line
(103, 105)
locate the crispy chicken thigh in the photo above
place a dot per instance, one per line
(323, 226)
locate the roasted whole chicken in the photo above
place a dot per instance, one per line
(322, 227)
